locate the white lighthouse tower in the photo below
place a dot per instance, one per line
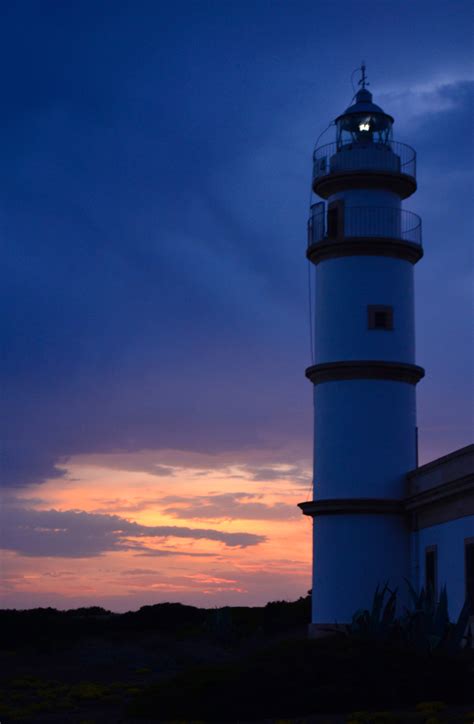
(364, 246)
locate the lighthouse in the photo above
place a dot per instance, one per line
(364, 245)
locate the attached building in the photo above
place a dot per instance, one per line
(440, 510)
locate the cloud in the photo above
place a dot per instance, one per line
(138, 572)
(36, 467)
(432, 118)
(430, 98)
(144, 552)
(275, 462)
(294, 473)
(105, 304)
(77, 534)
(112, 287)
(237, 506)
(124, 505)
(162, 470)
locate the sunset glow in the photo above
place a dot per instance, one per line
(229, 533)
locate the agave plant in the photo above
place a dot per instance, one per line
(426, 626)
(379, 621)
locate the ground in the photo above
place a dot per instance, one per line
(220, 666)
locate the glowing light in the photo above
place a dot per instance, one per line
(364, 126)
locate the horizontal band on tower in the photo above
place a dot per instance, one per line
(360, 506)
(400, 183)
(365, 370)
(364, 246)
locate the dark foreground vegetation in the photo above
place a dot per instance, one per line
(178, 663)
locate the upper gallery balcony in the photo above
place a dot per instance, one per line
(388, 164)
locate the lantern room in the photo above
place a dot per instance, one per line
(364, 122)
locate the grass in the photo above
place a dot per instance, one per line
(26, 698)
(301, 678)
(175, 663)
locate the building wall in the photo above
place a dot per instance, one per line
(449, 539)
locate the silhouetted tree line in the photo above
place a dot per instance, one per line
(50, 628)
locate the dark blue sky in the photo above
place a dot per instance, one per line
(155, 167)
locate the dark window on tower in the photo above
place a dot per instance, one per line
(332, 223)
(469, 569)
(380, 316)
(335, 224)
(431, 568)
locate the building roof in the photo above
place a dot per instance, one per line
(443, 489)
(364, 105)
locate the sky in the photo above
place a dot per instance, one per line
(154, 187)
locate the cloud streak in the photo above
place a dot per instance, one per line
(77, 534)
(239, 506)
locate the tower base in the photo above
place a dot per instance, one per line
(325, 630)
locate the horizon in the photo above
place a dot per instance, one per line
(146, 605)
(156, 166)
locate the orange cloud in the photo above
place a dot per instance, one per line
(205, 540)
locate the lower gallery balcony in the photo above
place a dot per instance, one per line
(369, 230)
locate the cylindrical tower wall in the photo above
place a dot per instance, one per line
(365, 438)
(364, 371)
(367, 197)
(352, 555)
(365, 157)
(345, 289)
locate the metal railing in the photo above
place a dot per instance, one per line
(392, 156)
(366, 221)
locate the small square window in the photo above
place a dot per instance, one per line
(380, 316)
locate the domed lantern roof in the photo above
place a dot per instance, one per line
(364, 104)
(364, 121)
